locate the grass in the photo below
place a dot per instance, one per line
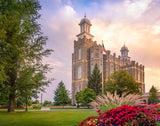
(21, 109)
(69, 108)
(44, 118)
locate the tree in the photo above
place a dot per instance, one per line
(35, 102)
(85, 96)
(32, 82)
(95, 80)
(153, 97)
(47, 103)
(61, 95)
(21, 49)
(3, 100)
(121, 81)
(79, 98)
(20, 101)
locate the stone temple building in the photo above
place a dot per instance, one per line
(87, 53)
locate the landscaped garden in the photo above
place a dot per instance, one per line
(112, 110)
(124, 110)
(121, 115)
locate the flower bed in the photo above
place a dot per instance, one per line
(124, 115)
(4, 107)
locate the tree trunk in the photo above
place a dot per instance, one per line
(11, 103)
(26, 104)
(12, 74)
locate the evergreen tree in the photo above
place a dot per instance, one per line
(153, 97)
(121, 81)
(21, 49)
(95, 80)
(61, 95)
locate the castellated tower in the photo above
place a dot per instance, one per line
(87, 53)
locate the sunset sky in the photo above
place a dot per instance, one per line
(135, 23)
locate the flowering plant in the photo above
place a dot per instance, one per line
(124, 115)
(4, 107)
(154, 109)
(90, 121)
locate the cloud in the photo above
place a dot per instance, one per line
(136, 8)
(61, 28)
(133, 22)
(156, 29)
(142, 40)
(153, 75)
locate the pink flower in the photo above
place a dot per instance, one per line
(98, 110)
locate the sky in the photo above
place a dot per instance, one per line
(135, 23)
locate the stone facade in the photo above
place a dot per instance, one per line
(87, 53)
(145, 96)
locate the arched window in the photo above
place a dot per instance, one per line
(79, 53)
(79, 72)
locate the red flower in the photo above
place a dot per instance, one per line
(98, 110)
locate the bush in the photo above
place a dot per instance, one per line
(109, 101)
(36, 106)
(47, 103)
(154, 109)
(4, 107)
(19, 107)
(90, 121)
(124, 115)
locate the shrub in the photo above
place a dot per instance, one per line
(90, 121)
(36, 106)
(4, 107)
(109, 101)
(124, 115)
(19, 107)
(154, 109)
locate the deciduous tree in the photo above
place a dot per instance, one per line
(85, 96)
(121, 81)
(47, 103)
(79, 98)
(21, 49)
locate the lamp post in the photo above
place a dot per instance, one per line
(41, 99)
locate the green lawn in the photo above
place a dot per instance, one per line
(44, 118)
(69, 108)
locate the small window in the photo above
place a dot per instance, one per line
(79, 53)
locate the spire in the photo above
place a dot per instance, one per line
(85, 15)
(124, 52)
(85, 25)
